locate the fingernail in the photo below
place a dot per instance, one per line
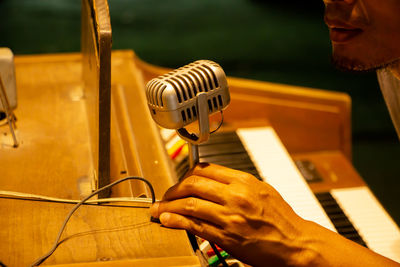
(154, 210)
(164, 217)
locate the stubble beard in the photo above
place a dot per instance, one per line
(347, 64)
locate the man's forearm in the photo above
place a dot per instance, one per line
(331, 249)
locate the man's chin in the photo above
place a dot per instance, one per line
(354, 65)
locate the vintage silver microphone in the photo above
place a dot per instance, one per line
(188, 94)
(185, 95)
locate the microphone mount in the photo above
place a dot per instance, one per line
(204, 130)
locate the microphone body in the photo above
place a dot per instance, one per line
(172, 98)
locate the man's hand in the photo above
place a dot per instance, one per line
(251, 221)
(246, 217)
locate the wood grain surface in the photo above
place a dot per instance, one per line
(95, 233)
(138, 135)
(52, 127)
(54, 159)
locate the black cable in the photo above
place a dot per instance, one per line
(220, 123)
(55, 245)
(221, 259)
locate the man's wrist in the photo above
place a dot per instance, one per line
(311, 243)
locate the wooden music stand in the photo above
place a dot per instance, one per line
(96, 75)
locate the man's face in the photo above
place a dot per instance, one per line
(365, 34)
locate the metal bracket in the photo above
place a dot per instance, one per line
(204, 130)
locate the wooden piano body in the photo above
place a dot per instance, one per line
(313, 124)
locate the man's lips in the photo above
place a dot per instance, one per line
(341, 32)
(342, 35)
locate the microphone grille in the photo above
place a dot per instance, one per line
(175, 92)
(187, 81)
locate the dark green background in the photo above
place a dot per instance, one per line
(277, 41)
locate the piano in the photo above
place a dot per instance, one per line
(353, 212)
(267, 126)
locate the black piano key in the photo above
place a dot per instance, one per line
(337, 216)
(226, 149)
(351, 235)
(346, 230)
(240, 166)
(360, 241)
(324, 196)
(220, 149)
(226, 137)
(328, 202)
(223, 143)
(227, 159)
(252, 172)
(231, 141)
(332, 209)
(340, 221)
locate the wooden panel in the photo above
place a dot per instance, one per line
(94, 233)
(54, 155)
(305, 119)
(143, 149)
(96, 74)
(334, 168)
(303, 125)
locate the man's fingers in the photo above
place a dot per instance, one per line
(197, 186)
(219, 173)
(193, 207)
(193, 225)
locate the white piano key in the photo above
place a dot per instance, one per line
(277, 168)
(374, 225)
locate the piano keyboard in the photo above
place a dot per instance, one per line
(353, 213)
(373, 223)
(339, 219)
(226, 149)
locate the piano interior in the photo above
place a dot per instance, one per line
(83, 122)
